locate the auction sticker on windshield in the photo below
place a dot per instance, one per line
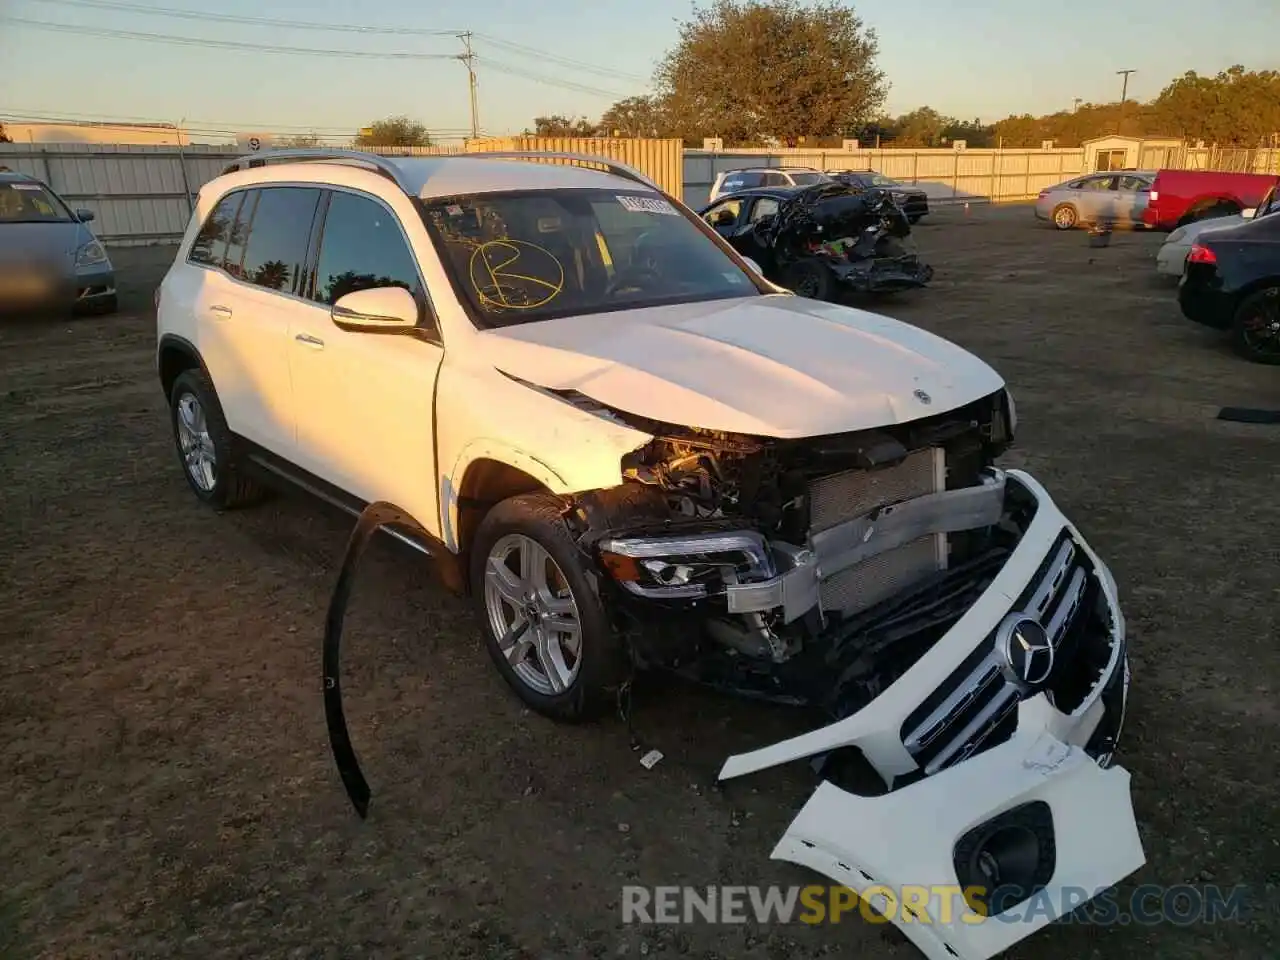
(648, 205)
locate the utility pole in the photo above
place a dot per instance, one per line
(1124, 89)
(468, 60)
(1075, 104)
(1124, 95)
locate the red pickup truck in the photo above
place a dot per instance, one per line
(1179, 197)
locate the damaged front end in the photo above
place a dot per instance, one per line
(962, 641)
(862, 237)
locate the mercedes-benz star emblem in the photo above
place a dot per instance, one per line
(923, 397)
(1025, 652)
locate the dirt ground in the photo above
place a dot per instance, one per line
(169, 786)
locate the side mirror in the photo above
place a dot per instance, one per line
(754, 266)
(1250, 213)
(376, 310)
(84, 216)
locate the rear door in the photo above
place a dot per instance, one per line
(251, 252)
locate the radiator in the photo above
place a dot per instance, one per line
(843, 496)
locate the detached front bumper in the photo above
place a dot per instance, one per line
(1008, 777)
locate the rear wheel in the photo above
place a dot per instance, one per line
(543, 621)
(1255, 328)
(204, 444)
(808, 278)
(1065, 216)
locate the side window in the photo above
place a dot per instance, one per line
(278, 233)
(765, 207)
(362, 247)
(776, 180)
(748, 180)
(211, 241)
(1134, 184)
(723, 214)
(232, 259)
(1099, 183)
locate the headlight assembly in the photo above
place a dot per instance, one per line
(90, 254)
(686, 567)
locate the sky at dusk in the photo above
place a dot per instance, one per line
(985, 59)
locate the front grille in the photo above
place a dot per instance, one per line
(854, 493)
(976, 706)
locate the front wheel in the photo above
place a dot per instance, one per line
(544, 624)
(1255, 328)
(1065, 217)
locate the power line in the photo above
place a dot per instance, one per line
(543, 55)
(200, 15)
(252, 21)
(304, 51)
(550, 81)
(223, 44)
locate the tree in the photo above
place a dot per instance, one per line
(636, 117)
(4, 137)
(561, 126)
(922, 127)
(763, 69)
(394, 132)
(1237, 106)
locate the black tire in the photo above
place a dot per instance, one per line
(108, 305)
(810, 278)
(602, 663)
(1064, 216)
(1262, 307)
(231, 488)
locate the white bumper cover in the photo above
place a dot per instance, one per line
(909, 837)
(903, 842)
(1171, 259)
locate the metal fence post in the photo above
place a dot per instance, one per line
(955, 176)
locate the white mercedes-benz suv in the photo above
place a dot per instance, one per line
(634, 452)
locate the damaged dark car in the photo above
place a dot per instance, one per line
(824, 240)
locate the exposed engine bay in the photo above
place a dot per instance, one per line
(710, 529)
(860, 238)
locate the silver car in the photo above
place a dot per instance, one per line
(1118, 197)
(50, 262)
(1172, 257)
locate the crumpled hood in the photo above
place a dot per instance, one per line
(773, 366)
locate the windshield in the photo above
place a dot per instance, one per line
(534, 255)
(24, 201)
(806, 179)
(880, 180)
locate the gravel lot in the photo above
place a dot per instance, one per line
(170, 791)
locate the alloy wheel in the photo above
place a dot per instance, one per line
(533, 614)
(198, 453)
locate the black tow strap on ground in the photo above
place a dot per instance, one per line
(1249, 415)
(374, 517)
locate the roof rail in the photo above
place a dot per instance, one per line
(613, 166)
(382, 165)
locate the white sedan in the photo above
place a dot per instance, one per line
(1173, 253)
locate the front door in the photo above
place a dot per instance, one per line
(364, 400)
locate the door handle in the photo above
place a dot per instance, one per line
(309, 340)
(219, 311)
